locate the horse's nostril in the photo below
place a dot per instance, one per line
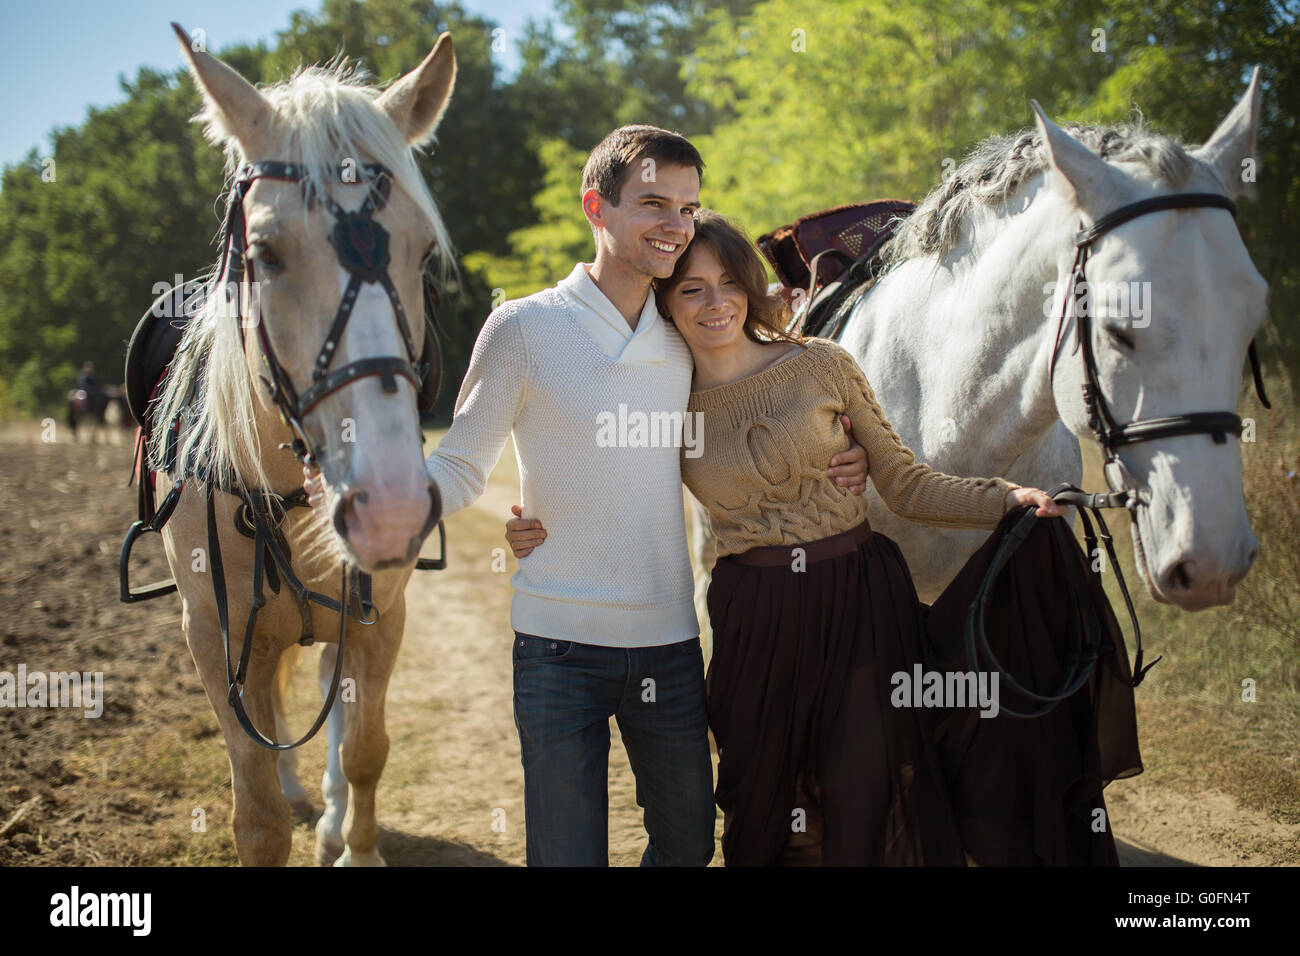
(344, 506)
(1181, 577)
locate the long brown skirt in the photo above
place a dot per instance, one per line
(798, 693)
(800, 706)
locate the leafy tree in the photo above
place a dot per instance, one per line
(545, 251)
(843, 102)
(795, 107)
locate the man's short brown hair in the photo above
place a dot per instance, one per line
(616, 153)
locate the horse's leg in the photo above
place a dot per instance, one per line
(365, 743)
(286, 764)
(262, 822)
(705, 550)
(334, 786)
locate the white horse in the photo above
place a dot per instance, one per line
(956, 339)
(366, 436)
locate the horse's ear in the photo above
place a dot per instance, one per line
(1231, 149)
(1078, 173)
(233, 107)
(416, 102)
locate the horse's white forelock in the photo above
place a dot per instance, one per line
(997, 167)
(323, 115)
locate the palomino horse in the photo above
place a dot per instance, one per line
(311, 214)
(956, 339)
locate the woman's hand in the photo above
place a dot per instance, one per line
(849, 468)
(1019, 497)
(523, 534)
(314, 484)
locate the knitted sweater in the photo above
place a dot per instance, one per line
(770, 435)
(558, 369)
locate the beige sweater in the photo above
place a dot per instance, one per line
(768, 439)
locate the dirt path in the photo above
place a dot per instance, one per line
(1159, 826)
(128, 787)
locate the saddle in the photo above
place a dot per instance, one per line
(153, 345)
(832, 254)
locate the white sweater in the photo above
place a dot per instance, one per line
(551, 368)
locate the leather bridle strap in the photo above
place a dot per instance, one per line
(361, 245)
(383, 366)
(1142, 207)
(1110, 434)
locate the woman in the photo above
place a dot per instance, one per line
(812, 613)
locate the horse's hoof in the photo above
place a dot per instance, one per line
(303, 811)
(360, 859)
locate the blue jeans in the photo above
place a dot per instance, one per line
(565, 693)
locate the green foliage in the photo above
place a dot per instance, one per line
(608, 63)
(842, 102)
(126, 204)
(544, 252)
(795, 107)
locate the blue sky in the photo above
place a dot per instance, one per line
(59, 57)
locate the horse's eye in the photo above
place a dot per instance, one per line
(429, 253)
(1121, 337)
(266, 257)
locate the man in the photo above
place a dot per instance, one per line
(603, 616)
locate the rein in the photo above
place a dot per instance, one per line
(1083, 652)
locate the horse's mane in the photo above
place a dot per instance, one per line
(996, 167)
(325, 114)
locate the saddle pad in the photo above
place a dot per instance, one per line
(852, 231)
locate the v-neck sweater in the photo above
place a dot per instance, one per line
(556, 370)
(770, 436)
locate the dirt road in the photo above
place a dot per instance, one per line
(147, 782)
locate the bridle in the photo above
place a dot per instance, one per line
(1083, 652)
(1101, 422)
(361, 245)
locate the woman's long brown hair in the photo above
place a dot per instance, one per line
(767, 315)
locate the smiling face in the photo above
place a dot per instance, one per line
(708, 306)
(647, 231)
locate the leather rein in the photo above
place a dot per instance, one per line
(1083, 651)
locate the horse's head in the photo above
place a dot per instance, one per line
(320, 293)
(1174, 301)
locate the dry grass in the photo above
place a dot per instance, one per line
(1196, 730)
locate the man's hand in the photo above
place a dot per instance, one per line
(523, 534)
(849, 468)
(1018, 497)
